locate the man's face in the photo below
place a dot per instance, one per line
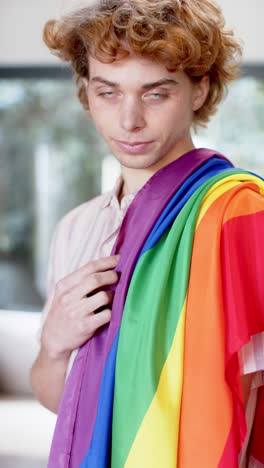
(143, 111)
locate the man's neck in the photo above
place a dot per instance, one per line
(134, 179)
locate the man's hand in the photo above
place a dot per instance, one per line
(75, 315)
(72, 319)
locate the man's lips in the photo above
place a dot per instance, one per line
(135, 147)
(134, 143)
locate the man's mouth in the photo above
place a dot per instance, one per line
(133, 147)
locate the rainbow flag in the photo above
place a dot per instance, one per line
(160, 385)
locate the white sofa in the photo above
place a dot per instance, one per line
(26, 427)
(18, 349)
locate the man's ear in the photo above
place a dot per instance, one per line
(201, 91)
(85, 83)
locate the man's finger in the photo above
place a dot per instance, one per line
(91, 304)
(92, 284)
(78, 276)
(96, 321)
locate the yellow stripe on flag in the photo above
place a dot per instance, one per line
(156, 442)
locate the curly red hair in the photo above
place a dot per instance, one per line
(186, 35)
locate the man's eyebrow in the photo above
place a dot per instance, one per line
(159, 83)
(144, 86)
(102, 80)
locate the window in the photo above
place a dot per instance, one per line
(237, 130)
(52, 159)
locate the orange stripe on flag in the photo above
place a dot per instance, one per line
(206, 414)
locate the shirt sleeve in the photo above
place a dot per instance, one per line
(57, 269)
(51, 281)
(53, 273)
(251, 356)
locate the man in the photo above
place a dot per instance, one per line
(160, 391)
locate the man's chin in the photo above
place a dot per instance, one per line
(136, 162)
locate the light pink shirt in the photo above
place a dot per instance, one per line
(87, 233)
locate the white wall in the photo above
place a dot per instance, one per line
(246, 18)
(21, 24)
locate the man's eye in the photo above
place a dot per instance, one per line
(106, 94)
(157, 96)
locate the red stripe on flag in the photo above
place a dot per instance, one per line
(242, 254)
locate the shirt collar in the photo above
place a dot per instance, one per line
(111, 198)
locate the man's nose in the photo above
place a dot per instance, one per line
(132, 114)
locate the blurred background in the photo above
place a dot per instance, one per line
(51, 159)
